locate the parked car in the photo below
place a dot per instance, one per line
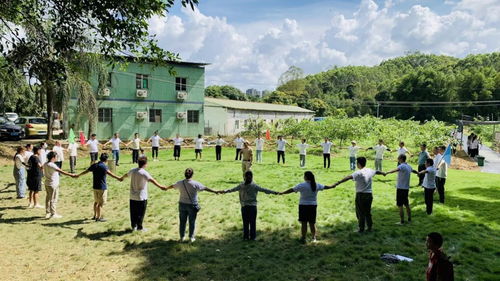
(35, 126)
(11, 116)
(9, 130)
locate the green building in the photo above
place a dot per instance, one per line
(143, 98)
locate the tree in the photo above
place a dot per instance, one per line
(293, 73)
(55, 30)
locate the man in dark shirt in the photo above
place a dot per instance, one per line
(439, 268)
(100, 171)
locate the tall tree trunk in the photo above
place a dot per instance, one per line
(49, 91)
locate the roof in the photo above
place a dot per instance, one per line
(260, 106)
(149, 60)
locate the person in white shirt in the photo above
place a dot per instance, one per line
(437, 156)
(155, 145)
(259, 147)
(303, 146)
(380, 148)
(73, 153)
(364, 198)
(442, 172)
(139, 179)
(403, 187)
(43, 152)
(93, 146)
(327, 146)
(308, 203)
(115, 147)
(136, 146)
(429, 184)
(51, 173)
(239, 141)
(218, 147)
(20, 172)
(177, 146)
(198, 146)
(59, 151)
(28, 151)
(281, 143)
(353, 153)
(402, 150)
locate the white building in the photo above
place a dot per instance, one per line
(229, 117)
(254, 93)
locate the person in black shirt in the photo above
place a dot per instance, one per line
(34, 180)
(100, 171)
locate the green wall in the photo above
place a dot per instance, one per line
(161, 95)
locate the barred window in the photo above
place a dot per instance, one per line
(193, 116)
(180, 84)
(155, 115)
(105, 115)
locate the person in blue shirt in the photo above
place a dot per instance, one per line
(100, 171)
(308, 203)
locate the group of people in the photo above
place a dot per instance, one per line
(473, 144)
(39, 163)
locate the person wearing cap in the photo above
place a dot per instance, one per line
(353, 151)
(247, 157)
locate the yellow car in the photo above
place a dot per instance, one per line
(35, 126)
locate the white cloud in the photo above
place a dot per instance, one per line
(255, 57)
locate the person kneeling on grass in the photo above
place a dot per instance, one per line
(363, 178)
(248, 191)
(139, 179)
(99, 171)
(51, 173)
(402, 187)
(188, 202)
(308, 203)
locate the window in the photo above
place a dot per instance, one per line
(105, 115)
(193, 116)
(245, 123)
(180, 84)
(236, 124)
(155, 115)
(109, 83)
(141, 81)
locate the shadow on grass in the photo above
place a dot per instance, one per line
(487, 193)
(20, 220)
(66, 223)
(12, 208)
(101, 235)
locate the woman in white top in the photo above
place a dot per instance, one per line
(308, 203)
(402, 150)
(20, 172)
(155, 145)
(198, 146)
(177, 146)
(218, 147)
(303, 146)
(259, 147)
(136, 146)
(59, 151)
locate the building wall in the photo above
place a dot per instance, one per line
(232, 121)
(161, 95)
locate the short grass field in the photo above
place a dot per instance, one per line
(75, 248)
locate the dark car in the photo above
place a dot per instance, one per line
(9, 130)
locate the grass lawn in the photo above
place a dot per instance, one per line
(75, 248)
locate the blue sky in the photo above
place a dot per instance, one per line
(249, 43)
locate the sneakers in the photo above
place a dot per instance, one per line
(101, 220)
(39, 206)
(144, 230)
(56, 216)
(30, 206)
(192, 239)
(314, 240)
(47, 216)
(182, 240)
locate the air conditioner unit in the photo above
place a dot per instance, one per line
(106, 92)
(142, 93)
(181, 95)
(181, 115)
(141, 115)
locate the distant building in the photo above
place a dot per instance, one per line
(265, 93)
(143, 98)
(254, 93)
(229, 117)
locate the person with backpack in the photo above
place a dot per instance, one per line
(248, 191)
(188, 202)
(308, 203)
(439, 267)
